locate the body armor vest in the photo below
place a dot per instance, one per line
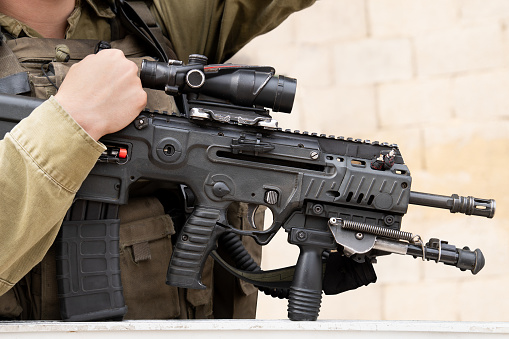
(37, 67)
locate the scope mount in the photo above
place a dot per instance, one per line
(226, 113)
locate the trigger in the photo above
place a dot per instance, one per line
(251, 210)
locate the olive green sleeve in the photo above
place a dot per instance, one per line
(41, 170)
(220, 28)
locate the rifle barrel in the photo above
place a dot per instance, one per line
(455, 203)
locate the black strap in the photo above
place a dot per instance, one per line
(13, 78)
(133, 22)
(279, 278)
(15, 84)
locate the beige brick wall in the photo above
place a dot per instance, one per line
(433, 77)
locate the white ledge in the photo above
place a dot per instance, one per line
(226, 329)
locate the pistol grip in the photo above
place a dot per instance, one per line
(196, 240)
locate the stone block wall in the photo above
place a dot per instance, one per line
(433, 77)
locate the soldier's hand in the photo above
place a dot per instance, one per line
(102, 92)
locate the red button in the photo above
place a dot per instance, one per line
(122, 153)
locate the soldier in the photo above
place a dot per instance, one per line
(46, 157)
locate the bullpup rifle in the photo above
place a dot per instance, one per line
(341, 200)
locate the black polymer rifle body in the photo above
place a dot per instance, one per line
(327, 193)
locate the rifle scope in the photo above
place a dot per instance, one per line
(246, 86)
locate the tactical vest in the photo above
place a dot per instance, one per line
(37, 67)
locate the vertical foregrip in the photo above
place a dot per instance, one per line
(196, 240)
(306, 291)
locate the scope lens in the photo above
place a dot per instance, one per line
(154, 74)
(278, 94)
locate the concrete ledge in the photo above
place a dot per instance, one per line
(226, 329)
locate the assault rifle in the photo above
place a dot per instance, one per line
(340, 200)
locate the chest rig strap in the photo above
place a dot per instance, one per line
(137, 18)
(13, 79)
